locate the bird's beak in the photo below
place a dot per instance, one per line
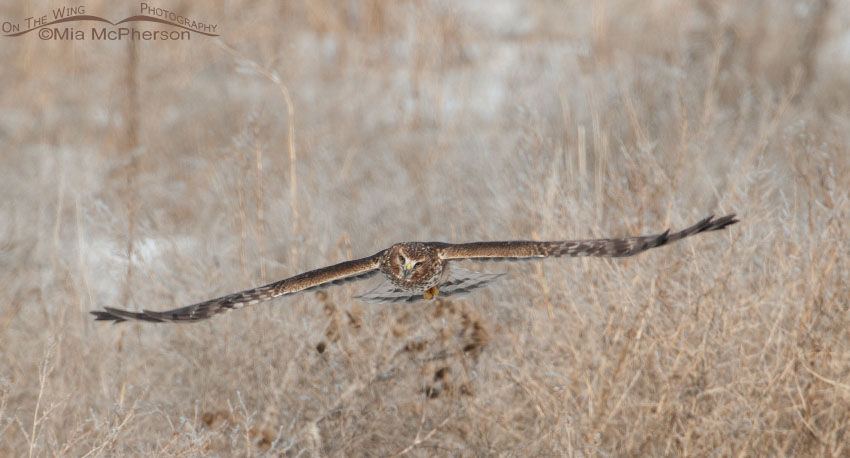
(407, 269)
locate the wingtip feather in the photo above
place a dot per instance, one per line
(120, 316)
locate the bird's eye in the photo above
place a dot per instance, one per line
(401, 259)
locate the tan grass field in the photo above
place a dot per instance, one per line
(157, 174)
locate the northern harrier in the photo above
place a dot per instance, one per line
(417, 270)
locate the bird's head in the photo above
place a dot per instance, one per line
(410, 264)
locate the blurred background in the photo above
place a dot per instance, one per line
(149, 175)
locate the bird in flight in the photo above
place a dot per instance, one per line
(415, 271)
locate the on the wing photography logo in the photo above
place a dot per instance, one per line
(63, 24)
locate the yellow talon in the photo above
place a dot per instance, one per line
(431, 292)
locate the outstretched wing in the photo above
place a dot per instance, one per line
(615, 247)
(314, 279)
(386, 292)
(458, 282)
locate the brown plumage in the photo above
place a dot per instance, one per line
(418, 270)
(423, 259)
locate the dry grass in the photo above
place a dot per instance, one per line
(316, 132)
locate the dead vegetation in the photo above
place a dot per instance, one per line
(314, 132)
